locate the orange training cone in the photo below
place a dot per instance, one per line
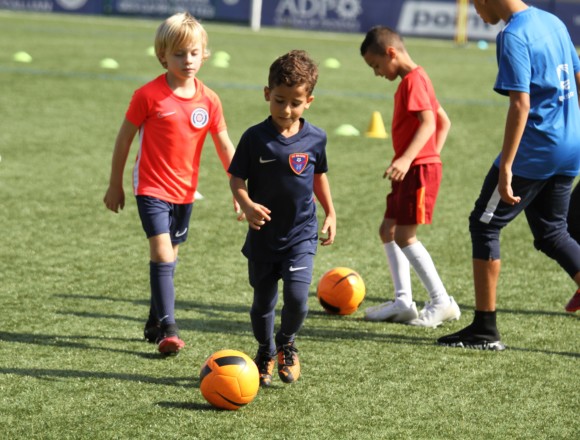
(377, 127)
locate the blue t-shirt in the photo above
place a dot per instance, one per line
(536, 55)
(280, 175)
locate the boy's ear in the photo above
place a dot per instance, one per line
(162, 61)
(391, 52)
(309, 101)
(267, 93)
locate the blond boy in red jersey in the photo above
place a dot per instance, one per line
(173, 115)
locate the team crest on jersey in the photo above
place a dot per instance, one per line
(199, 117)
(298, 162)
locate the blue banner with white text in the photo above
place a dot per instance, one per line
(420, 18)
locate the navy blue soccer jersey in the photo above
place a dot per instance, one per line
(280, 176)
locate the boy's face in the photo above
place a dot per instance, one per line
(485, 10)
(184, 62)
(383, 64)
(287, 103)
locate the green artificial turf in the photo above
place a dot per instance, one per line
(74, 276)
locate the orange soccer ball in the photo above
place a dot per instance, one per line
(341, 291)
(229, 379)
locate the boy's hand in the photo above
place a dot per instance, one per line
(329, 227)
(238, 210)
(398, 169)
(114, 198)
(257, 215)
(504, 187)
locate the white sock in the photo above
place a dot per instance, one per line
(400, 272)
(423, 265)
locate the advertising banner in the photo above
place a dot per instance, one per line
(77, 6)
(218, 10)
(420, 18)
(438, 19)
(569, 13)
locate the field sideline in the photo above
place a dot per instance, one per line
(74, 277)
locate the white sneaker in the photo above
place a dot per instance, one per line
(392, 311)
(434, 315)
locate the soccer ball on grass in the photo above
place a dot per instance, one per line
(229, 379)
(341, 291)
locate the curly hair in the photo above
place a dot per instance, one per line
(294, 68)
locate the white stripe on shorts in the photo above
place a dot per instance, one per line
(491, 207)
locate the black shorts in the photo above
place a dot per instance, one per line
(295, 268)
(161, 217)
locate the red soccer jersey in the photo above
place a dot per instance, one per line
(172, 131)
(414, 94)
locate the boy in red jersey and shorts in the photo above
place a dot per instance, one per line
(419, 129)
(173, 115)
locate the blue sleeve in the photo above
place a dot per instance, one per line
(321, 163)
(514, 65)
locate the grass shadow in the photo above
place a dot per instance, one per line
(72, 342)
(54, 374)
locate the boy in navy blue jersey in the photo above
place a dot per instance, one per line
(284, 161)
(539, 70)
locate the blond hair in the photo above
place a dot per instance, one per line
(180, 30)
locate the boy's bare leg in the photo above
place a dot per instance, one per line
(485, 276)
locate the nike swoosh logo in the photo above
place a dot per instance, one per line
(164, 115)
(294, 269)
(179, 234)
(266, 160)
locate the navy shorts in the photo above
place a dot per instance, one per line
(545, 203)
(161, 217)
(295, 268)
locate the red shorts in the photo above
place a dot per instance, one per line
(412, 201)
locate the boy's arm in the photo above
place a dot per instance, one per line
(225, 150)
(257, 215)
(514, 129)
(115, 195)
(322, 193)
(399, 167)
(443, 125)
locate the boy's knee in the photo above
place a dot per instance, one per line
(561, 248)
(261, 309)
(387, 235)
(484, 240)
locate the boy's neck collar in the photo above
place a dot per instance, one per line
(513, 10)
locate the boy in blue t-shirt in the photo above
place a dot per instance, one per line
(540, 72)
(284, 161)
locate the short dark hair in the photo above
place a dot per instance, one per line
(294, 68)
(379, 38)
